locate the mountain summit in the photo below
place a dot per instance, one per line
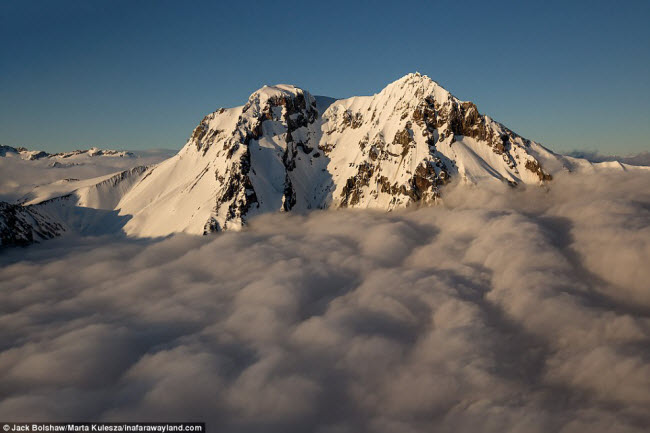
(286, 150)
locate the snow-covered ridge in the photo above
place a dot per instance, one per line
(639, 159)
(282, 151)
(39, 154)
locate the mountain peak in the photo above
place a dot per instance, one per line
(416, 86)
(414, 76)
(278, 95)
(266, 102)
(275, 91)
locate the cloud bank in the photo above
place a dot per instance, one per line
(501, 310)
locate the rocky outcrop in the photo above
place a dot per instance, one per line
(24, 225)
(353, 189)
(236, 197)
(534, 167)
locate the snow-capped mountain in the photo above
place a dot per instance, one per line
(286, 150)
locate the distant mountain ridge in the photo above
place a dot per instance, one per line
(286, 150)
(641, 158)
(27, 154)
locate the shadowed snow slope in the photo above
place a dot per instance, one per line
(501, 310)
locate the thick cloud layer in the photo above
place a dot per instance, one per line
(502, 310)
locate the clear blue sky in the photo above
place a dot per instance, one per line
(141, 74)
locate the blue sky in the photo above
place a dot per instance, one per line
(141, 74)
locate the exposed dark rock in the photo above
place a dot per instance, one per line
(238, 193)
(352, 190)
(425, 113)
(374, 153)
(534, 166)
(199, 132)
(41, 154)
(364, 142)
(404, 139)
(289, 157)
(24, 225)
(326, 148)
(423, 186)
(4, 150)
(289, 195)
(386, 187)
(211, 226)
(353, 121)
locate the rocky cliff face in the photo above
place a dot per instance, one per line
(23, 225)
(259, 154)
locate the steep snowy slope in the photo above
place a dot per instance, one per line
(102, 192)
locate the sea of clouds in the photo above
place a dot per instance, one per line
(502, 310)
